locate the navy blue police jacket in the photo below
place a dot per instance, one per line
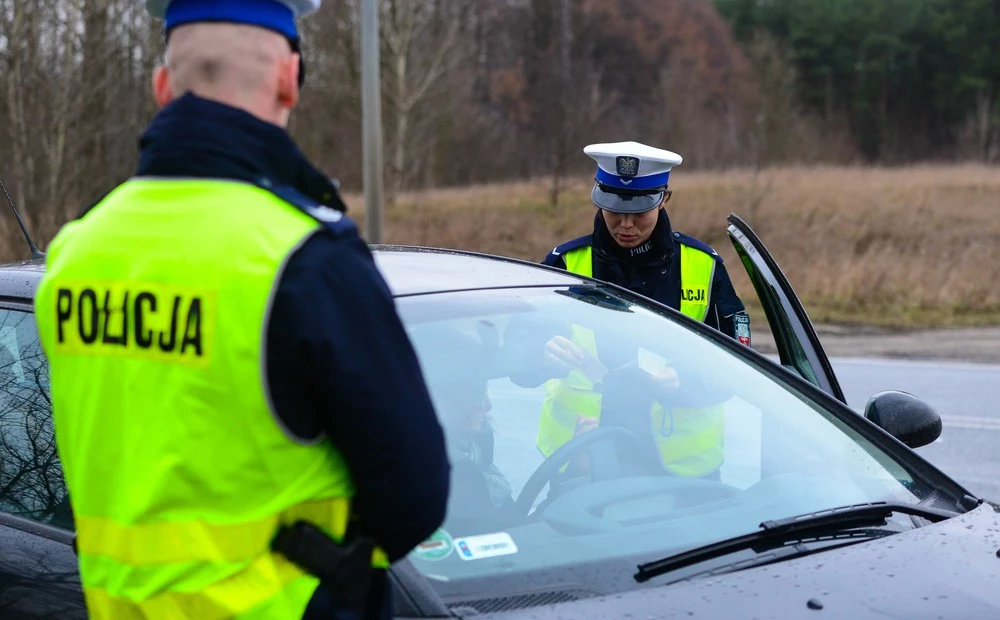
(334, 340)
(653, 269)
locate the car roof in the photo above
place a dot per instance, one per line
(417, 270)
(18, 280)
(408, 270)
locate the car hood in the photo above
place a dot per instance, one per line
(945, 570)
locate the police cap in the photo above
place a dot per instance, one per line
(631, 177)
(276, 15)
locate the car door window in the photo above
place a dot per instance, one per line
(795, 338)
(31, 480)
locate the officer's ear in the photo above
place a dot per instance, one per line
(288, 82)
(666, 197)
(161, 86)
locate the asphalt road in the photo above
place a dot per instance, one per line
(963, 393)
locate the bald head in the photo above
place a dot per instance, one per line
(239, 65)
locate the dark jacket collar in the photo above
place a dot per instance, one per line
(660, 249)
(196, 137)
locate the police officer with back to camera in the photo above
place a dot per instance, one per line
(220, 343)
(632, 245)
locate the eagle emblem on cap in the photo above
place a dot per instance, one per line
(628, 167)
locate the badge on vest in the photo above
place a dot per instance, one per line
(132, 319)
(696, 294)
(741, 325)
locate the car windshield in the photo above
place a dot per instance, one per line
(648, 439)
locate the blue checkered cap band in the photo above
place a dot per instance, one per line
(277, 15)
(650, 182)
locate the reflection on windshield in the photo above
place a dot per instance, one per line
(31, 482)
(584, 429)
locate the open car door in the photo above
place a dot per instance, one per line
(799, 348)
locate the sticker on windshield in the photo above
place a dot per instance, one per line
(437, 547)
(485, 546)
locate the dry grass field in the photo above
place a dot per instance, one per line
(917, 246)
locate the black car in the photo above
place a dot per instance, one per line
(816, 509)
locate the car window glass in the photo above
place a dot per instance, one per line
(770, 451)
(31, 481)
(768, 297)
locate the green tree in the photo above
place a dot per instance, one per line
(912, 76)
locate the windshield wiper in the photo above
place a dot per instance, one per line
(776, 533)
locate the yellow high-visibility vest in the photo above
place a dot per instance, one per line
(689, 440)
(152, 313)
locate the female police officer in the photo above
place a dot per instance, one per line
(632, 245)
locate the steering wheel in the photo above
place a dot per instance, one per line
(568, 451)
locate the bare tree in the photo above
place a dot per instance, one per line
(420, 39)
(474, 92)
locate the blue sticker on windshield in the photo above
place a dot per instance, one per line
(485, 546)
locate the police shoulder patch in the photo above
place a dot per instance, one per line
(695, 243)
(332, 220)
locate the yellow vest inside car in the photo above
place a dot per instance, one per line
(689, 440)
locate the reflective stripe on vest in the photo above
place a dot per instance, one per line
(689, 440)
(152, 313)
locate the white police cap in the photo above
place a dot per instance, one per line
(631, 177)
(278, 15)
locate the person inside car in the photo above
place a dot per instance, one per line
(611, 379)
(481, 500)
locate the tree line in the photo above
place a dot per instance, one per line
(909, 79)
(477, 92)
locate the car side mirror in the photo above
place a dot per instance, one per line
(905, 417)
